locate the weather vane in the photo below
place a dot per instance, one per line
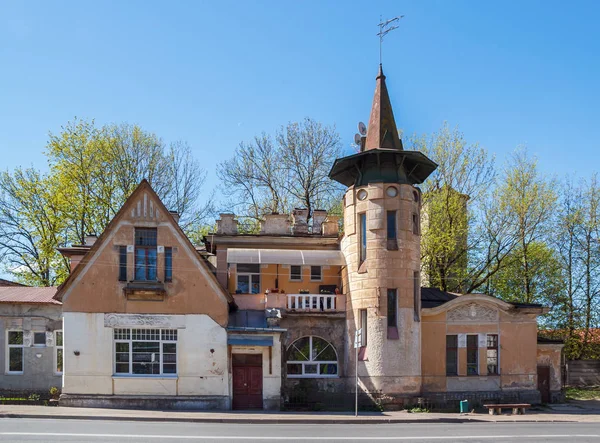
(384, 28)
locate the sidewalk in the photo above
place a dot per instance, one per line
(558, 413)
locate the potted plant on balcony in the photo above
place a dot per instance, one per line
(303, 291)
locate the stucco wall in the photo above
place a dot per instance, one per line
(39, 372)
(201, 359)
(271, 366)
(95, 287)
(517, 341)
(551, 355)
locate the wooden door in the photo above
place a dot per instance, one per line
(247, 381)
(544, 382)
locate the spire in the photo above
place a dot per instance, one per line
(382, 131)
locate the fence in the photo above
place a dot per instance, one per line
(583, 372)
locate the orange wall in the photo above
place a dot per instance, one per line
(517, 334)
(269, 273)
(96, 288)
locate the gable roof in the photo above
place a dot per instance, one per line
(144, 186)
(28, 295)
(434, 297)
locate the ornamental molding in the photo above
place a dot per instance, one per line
(27, 338)
(49, 338)
(472, 313)
(143, 320)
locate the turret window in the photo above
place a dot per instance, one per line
(362, 226)
(392, 242)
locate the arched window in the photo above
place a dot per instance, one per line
(311, 357)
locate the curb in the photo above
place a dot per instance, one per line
(274, 421)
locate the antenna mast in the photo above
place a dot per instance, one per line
(384, 28)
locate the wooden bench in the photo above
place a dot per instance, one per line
(517, 408)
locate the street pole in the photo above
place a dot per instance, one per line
(356, 393)
(357, 343)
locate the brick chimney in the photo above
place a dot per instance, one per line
(275, 224)
(299, 223)
(227, 224)
(318, 218)
(330, 226)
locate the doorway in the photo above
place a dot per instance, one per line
(543, 373)
(247, 381)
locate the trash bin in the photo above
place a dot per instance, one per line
(464, 406)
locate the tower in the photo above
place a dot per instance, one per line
(381, 245)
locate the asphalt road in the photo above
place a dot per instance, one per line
(28, 430)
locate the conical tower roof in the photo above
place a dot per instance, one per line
(382, 131)
(383, 158)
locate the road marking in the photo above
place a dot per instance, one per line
(300, 438)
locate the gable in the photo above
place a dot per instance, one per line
(94, 286)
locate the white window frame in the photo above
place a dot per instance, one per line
(7, 353)
(58, 347)
(310, 361)
(291, 274)
(130, 341)
(38, 345)
(320, 273)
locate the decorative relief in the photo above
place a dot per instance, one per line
(49, 339)
(27, 338)
(136, 320)
(472, 313)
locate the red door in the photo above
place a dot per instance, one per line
(544, 383)
(247, 381)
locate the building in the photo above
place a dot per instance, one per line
(31, 351)
(144, 318)
(269, 320)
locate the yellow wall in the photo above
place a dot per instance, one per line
(269, 273)
(517, 337)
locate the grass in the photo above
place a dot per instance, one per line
(583, 393)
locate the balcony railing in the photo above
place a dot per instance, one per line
(311, 302)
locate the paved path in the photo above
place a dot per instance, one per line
(29, 430)
(560, 413)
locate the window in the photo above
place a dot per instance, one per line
(391, 225)
(311, 357)
(362, 226)
(168, 264)
(415, 222)
(472, 355)
(58, 352)
(145, 254)
(392, 314)
(392, 241)
(145, 351)
(248, 278)
(417, 295)
(14, 350)
(492, 354)
(363, 325)
(39, 339)
(122, 263)
(392, 307)
(451, 354)
(295, 273)
(315, 273)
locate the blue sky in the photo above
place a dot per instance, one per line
(217, 73)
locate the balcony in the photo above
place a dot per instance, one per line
(312, 302)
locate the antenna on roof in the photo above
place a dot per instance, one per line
(386, 27)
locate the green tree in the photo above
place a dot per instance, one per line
(452, 202)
